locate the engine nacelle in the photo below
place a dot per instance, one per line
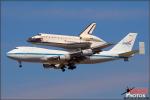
(65, 57)
(87, 52)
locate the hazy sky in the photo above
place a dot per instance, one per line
(114, 19)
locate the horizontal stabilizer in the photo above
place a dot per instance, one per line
(128, 54)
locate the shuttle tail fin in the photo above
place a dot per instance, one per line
(125, 45)
(88, 30)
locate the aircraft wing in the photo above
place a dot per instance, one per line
(105, 45)
(78, 55)
(77, 46)
(82, 54)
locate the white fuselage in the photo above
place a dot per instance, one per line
(34, 54)
(65, 41)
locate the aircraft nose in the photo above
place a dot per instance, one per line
(9, 54)
(34, 39)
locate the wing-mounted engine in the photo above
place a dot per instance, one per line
(81, 53)
(87, 52)
(76, 56)
(65, 57)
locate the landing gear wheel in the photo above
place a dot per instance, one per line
(62, 69)
(126, 59)
(20, 65)
(72, 67)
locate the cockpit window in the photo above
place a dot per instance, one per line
(39, 34)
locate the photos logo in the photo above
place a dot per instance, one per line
(136, 93)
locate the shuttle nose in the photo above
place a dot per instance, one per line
(34, 39)
(29, 39)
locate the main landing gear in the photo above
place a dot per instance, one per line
(71, 66)
(126, 59)
(20, 65)
(63, 68)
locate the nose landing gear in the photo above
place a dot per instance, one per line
(20, 65)
(63, 68)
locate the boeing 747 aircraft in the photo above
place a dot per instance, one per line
(84, 41)
(59, 59)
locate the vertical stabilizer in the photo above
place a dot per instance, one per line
(126, 44)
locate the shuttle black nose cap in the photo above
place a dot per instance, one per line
(34, 39)
(29, 39)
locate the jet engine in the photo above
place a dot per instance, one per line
(87, 52)
(77, 55)
(65, 57)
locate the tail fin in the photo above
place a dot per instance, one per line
(126, 44)
(88, 30)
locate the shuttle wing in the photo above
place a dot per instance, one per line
(77, 45)
(99, 48)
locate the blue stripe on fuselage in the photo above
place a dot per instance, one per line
(63, 54)
(37, 54)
